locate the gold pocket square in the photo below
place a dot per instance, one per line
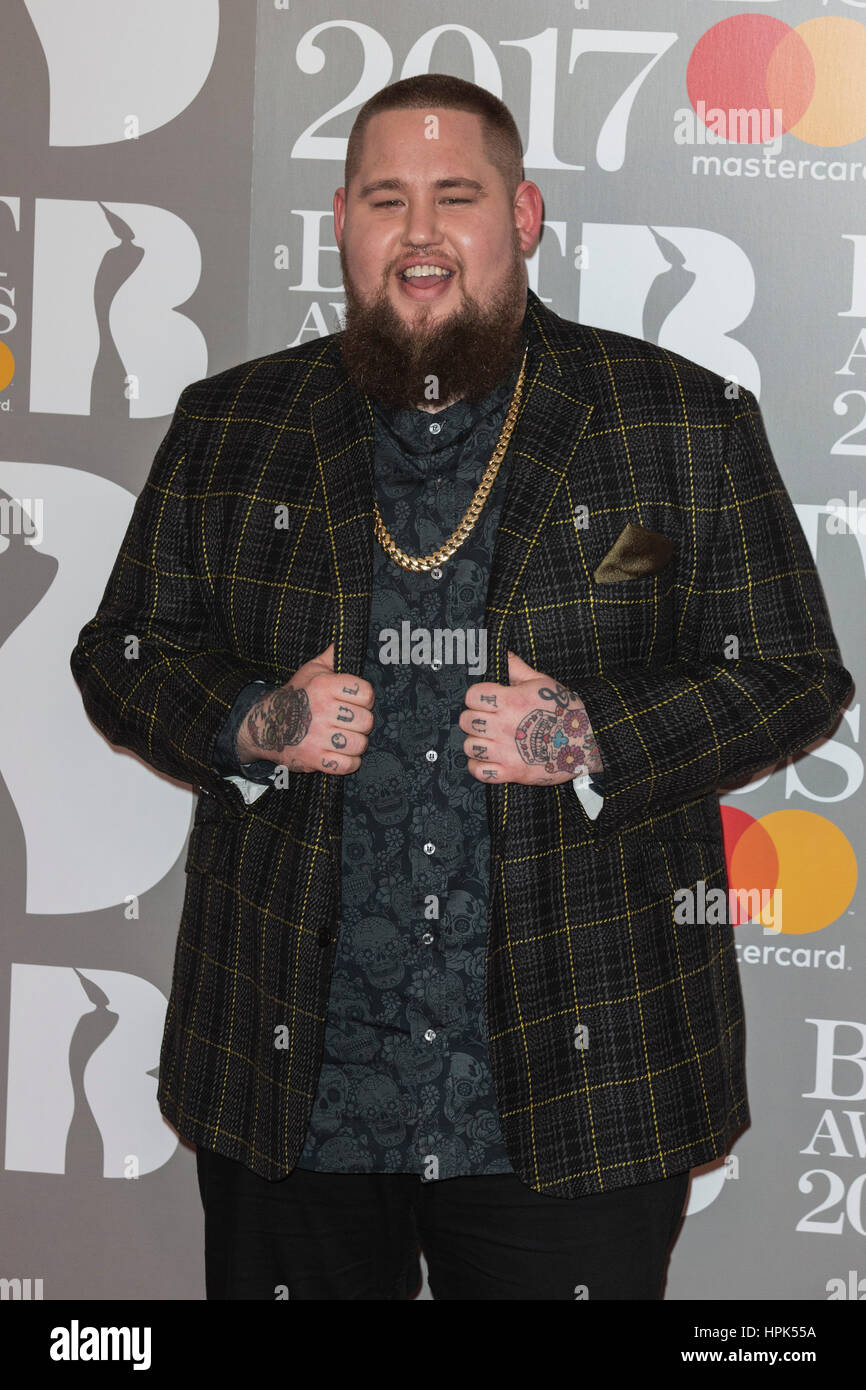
(635, 552)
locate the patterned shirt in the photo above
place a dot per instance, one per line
(405, 1083)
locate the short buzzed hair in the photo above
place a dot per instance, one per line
(500, 135)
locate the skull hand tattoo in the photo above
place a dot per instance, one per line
(280, 720)
(559, 739)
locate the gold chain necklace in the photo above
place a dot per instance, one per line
(457, 537)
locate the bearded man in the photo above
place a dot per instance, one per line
(458, 619)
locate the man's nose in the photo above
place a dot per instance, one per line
(422, 225)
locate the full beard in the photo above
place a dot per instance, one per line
(434, 360)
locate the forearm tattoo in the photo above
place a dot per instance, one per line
(280, 720)
(558, 738)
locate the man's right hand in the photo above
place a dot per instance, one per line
(318, 721)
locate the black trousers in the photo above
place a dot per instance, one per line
(340, 1236)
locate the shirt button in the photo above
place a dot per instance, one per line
(429, 848)
(436, 574)
(435, 665)
(431, 755)
(430, 1035)
(435, 427)
(427, 939)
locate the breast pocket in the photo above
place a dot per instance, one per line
(589, 626)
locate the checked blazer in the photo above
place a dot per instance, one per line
(644, 525)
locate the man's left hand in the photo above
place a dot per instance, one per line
(534, 731)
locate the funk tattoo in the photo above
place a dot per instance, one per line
(479, 726)
(280, 720)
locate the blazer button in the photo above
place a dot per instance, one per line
(323, 937)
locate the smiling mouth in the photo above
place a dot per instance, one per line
(425, 273)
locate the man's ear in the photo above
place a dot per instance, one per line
(528, 215)
(339, 215)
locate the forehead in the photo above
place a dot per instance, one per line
(402, 137)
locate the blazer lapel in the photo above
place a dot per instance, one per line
(546, 439)
(342, 426)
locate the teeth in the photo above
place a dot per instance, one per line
(419, 272)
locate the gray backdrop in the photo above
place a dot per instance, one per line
(161, 185)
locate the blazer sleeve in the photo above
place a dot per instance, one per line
(153, 674)
(226, 759)
(724, 709)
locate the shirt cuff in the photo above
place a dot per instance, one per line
(589, 790)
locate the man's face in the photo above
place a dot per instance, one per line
(446, 204)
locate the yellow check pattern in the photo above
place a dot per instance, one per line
(615, 1034)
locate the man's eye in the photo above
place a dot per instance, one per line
(389, 202)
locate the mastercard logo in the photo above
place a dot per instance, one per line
(7, 366)
(805, 856)
(813, 73)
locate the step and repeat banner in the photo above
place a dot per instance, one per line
(165, 212)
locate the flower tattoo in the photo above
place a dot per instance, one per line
(560, 739)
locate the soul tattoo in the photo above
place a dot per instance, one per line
(560, 739)
(281, 720)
